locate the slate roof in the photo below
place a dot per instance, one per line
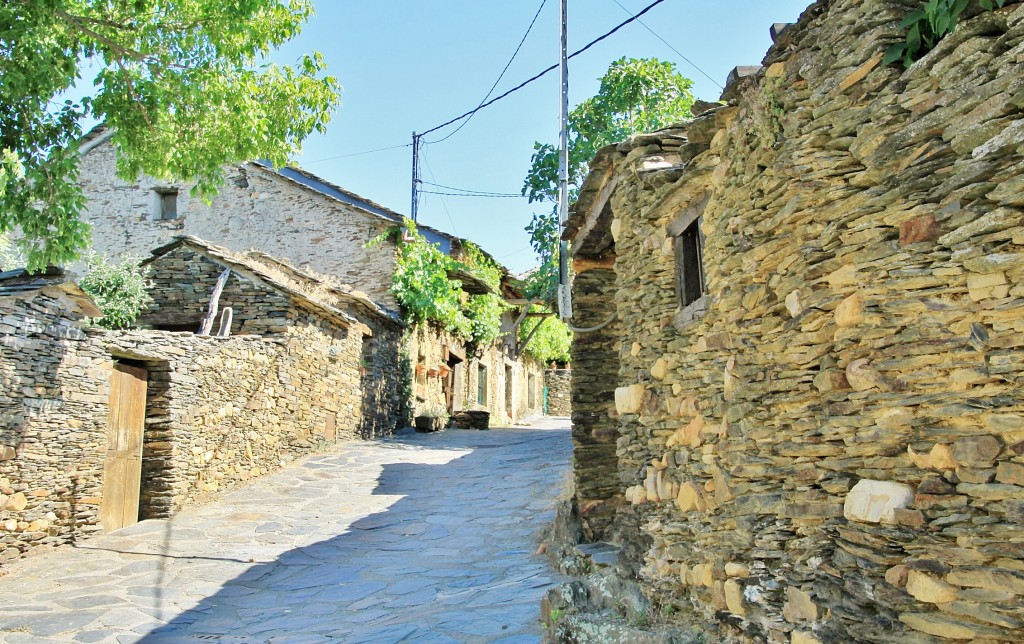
(22, 284)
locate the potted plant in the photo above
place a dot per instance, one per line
(431, 418)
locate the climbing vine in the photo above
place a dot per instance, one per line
(421, 284)
(552, 342)
(927, 26)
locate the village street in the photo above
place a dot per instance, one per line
(421, 537)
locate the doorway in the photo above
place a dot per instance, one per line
(122, 468)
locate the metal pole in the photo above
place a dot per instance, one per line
(415, 177)
(564, 300)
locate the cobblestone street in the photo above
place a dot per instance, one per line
(422, 537)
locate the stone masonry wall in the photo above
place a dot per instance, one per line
(233, 408)
(834, 449)
(54, 389)
(594, 419)
(218, 411)
(181, 284)
(254, 209)
(559, 385)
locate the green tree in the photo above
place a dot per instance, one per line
(184, 85)
(636, 95)
(120, 289)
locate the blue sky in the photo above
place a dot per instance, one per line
(410, 65)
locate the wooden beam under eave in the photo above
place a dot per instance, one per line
(583, 264)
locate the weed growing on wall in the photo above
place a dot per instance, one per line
(927, 26)
(766, 111)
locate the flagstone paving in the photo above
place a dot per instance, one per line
(420, 538)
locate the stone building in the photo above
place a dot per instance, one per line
(102, 428)
(810, 425)
(293, 215)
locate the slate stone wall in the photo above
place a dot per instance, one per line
(595, 357)
(54, 389)
(224, 410)
(253, 210)
(831, 446)
(219, 411)
(559, 386)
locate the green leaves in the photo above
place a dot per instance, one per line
(636, 95)
(184, 85)
(421, 284)
(551, 343)
(927, 26)
(119, 289)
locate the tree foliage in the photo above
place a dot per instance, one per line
(636, 95)
(551, 343)
(183, 84)
(120, 289)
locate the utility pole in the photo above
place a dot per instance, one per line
(564, 293)
(415, 176)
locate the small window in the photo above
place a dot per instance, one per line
(167, 203)
(481, 384)
(690, 285)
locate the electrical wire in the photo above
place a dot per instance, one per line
(356, 154)
(546, 71)
(444, 204)
(500, 76)
(678, 53)
(463, 194)
(475, 192)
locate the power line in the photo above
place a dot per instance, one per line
(470, 194)
(678, 53)
(501, 75)
(549, 69)
(355, 154)
(444, 204)
(478, 192)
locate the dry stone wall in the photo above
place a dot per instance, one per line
(595, 357)
(219, 411)
(223, 410)
(254, 209)
(54, 389)
(830, 446)
(559, 388)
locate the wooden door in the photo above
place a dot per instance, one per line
(122, 470)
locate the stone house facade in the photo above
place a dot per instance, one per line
(811, 424)
(291, 214)
(102, 428)
(286, 213)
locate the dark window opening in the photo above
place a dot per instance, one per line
(690, 285)
(167, 203)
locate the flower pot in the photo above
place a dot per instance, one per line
(429, 423)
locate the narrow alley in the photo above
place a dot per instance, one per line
(420, 537)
